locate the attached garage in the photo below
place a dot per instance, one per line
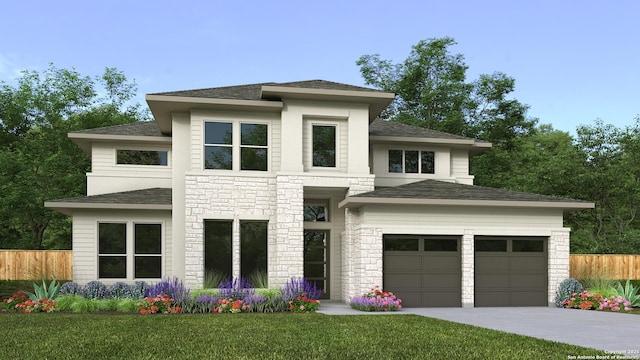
(423, 270)
(511, 271)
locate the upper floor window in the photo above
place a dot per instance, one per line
(220, 145)
(253, 147)
(411, 162)
(315, 212)
(142, 157)
(324, 145)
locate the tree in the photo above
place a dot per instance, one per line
(432, 92)
(39, 162)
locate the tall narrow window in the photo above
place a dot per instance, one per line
(324, 146)
(148, 251)
(396, 161)
(253, 147)
(427, 165)
(253, 252)
(112, 250)
(218, 145)
(217, 247)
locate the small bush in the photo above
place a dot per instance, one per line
(565, 289)
(70, 288)
(84, 305)
(173, 288)
(120, 290)
(236, 289)
(628, 292)
(376, 300)
(139, 289)
(297, 286)
(94, 290)
(64, 302)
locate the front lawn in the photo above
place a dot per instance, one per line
(262, 336)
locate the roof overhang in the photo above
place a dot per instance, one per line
(355, 202)
(67, 208)
(162, 106)
(377, 100)
(84, 140)
(473, 144)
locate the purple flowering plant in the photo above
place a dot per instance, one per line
(376, 300)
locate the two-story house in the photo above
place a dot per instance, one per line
(302, 179)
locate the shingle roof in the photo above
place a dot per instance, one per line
(143, 128)
(391, 128)
(153, 196)
(253, 91)
(434, 189)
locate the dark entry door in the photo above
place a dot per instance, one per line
(316, 259)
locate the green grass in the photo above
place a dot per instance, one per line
(259, 336)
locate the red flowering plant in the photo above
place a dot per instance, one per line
(376, 300)
(230, 305)
(16, 299)
(40, 305)
(303, 304)
(161, 304)
(584, 300)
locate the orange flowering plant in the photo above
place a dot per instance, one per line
(303, 304)
(161, 304)
(230, 305)
(21, 302)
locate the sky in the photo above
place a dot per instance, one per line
(573, 61)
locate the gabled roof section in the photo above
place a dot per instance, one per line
(391, 131)
(146, 199)
(138, 132)
(434, 192)
(262, 97)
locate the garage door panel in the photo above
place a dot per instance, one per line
(529, 298)
(492, 298)
(491, 280)
(403, 262)
(491, 263)
(528, 263)
(451, 281)
(441, 263)
(537, 281)
(410, 298)
(442, 298)
(403, 280)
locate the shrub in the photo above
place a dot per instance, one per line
(139, 290)
(565, 289)
(303, 304)
(94, 290)
(173, 288)
(295, 287)
(230, 306)
(590, 301)
(236, 289)
(38, 305)
(15, 300)
(376, 300)
(41, 292)
(628, 292)
(120, 290)
(64, 302)
(70, 288)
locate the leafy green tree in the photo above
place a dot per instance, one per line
(39, 162)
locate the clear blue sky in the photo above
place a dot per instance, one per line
(573, 61)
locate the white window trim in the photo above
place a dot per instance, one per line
(130, 250)
(236, 144)
(336, 125)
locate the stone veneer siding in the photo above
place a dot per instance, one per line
(558, 262)
(468, 265)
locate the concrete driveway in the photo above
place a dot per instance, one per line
(613, 332)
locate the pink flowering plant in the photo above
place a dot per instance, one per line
(160, 304)
(586, 300)
(376, 300)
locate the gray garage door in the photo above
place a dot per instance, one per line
(423, 270)
(510, 271)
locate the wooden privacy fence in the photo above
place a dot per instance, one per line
(616, 267)
(33, 264)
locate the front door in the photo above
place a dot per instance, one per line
(316, 259)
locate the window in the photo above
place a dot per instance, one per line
(399, 244)
(220, 146)
(491, 245)
(527, 246)
(141, 157)
(411, 162)
(143, 253)
(148, 253)
(112, 250)
(253, 250)
(315, 213)
(324, 145)
(253, 147)
(217, 247)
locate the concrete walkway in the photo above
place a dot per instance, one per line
(600, 330)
